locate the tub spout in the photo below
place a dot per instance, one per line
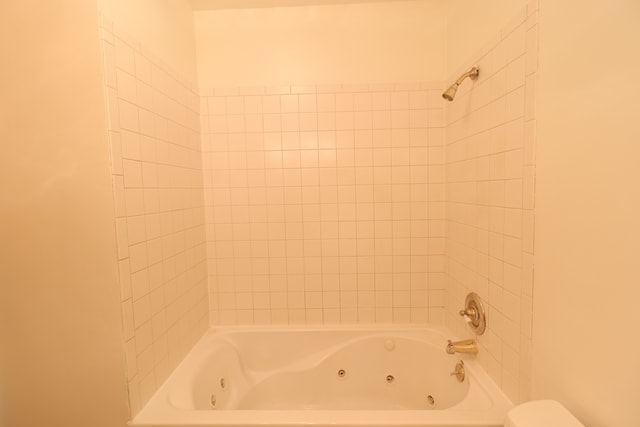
(464, 346)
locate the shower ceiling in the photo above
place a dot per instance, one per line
(247, 4)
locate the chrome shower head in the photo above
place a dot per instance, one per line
(450, 93)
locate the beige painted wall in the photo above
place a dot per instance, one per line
(585, 346)
(61, 361)
(366, 43)
(164, 27)
(471, 24)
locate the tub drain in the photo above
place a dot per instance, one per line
(342, 373)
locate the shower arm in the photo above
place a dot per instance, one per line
(472, 74)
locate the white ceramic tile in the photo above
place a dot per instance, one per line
(491, 163)
(124, 56)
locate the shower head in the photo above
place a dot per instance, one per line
(450, 93)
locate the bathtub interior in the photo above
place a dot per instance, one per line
(371, 372)
(327, 370)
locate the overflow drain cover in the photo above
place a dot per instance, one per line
(431, 400)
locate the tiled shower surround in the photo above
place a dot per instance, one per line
(153, 123)
(325, 204)
(490, 187)
(369, 203)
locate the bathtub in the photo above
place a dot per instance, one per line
(360, 376)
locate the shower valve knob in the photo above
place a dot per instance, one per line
(473, 313)
(470, 312)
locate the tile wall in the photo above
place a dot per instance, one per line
(322, 204)
(490, 169)
(325, 204)
(153, 122)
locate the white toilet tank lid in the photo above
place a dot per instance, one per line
(541, 413)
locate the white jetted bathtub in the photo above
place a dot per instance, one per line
(320, 377)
